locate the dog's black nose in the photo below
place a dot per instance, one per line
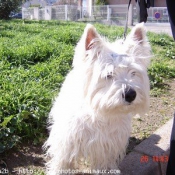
(130, 95)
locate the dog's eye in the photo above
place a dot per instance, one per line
(133, 74)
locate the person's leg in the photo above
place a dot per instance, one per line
(171, 10)
(172, 28)
(171, 162)
(143, 11)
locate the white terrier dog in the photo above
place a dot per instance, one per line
(91, 117)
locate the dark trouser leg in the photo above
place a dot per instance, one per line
(171, 10)
(172, 28)
(171, 161)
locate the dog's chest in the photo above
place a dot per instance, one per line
(108, 134)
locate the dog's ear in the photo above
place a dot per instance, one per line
(89, 36)
(138, 46)
(89, 40)
(138, 33)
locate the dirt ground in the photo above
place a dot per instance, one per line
(26, 159)
(29, 159)
(162, 108)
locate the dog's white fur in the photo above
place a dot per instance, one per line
(90, 119)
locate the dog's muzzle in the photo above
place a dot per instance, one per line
(129, 95)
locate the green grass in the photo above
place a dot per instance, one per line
(162, 67)
(35, 56)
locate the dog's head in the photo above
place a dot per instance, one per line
(114, 74)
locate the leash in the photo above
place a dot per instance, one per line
(126, 25)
